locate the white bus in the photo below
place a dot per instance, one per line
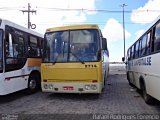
(143, 63)
(20, 58)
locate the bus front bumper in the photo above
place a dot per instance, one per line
(72, 87)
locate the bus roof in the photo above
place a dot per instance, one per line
(73, 27)
(4, 22)
(151, 25)
(147, 29)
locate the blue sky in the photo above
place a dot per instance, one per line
(51, 13)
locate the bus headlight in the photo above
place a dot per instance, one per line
(90, 87)
(94, 87)
(50, 86)
(45, 86)
(87, 87)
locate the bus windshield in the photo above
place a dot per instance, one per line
(71, 46)
(1, 57)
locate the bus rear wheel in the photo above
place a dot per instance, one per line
(147, 98)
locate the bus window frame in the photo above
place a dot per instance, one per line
(143, 39)
(148, 42)
(31, 48)
(154, 39)
(18, 65)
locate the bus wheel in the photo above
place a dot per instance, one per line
(32, 84)
(147, 98)
(130, 83)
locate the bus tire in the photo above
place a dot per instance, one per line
(33, 84)
(147, 98)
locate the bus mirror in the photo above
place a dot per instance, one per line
(104, 43)
(123, 59)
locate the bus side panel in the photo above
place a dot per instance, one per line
(135, 79)
(131, 77)
(153, 86)
(130, 71)
(13, 81)
(153, 77)
(17, 80)
(105, 65)
(150, 75)
(2, 90)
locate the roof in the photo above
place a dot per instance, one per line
(4, 22)
(73, 27)
(147, 29)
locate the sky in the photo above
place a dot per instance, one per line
(138, 15)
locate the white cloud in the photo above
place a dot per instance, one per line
(82, 4)
(47, 17)
(141, 15)
(113, 31)
(74, 17)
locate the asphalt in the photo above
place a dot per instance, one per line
(118, 98)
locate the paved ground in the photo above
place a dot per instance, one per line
(117, 98)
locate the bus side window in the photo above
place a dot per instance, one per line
(148, 48)
(132, 52)
(34, 47)
(152, 39)
(41, 46)
(20, 48)
(137, 49)
(157, 38)
(143, 45)
(16, 47)
(15, 50)
(9, 45)
(7, 48)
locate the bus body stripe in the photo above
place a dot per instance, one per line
(8, 78)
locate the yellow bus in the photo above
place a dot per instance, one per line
(75, 60)
(20, 58)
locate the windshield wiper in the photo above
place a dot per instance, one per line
(77, 57)
(54, 61)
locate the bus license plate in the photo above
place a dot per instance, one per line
(68, 88)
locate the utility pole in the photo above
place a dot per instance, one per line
(33, 26)
(123, 5)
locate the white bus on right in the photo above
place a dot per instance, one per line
(143, 63)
